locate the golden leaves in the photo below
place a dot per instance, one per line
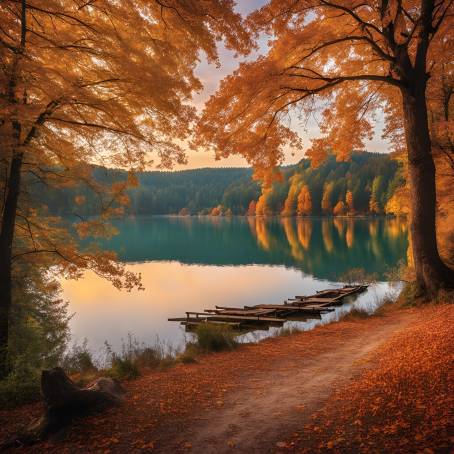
(290, 204)
(339, 209)
(402, 402)
(304, 206)
(108, 83)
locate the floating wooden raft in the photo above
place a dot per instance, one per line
(271, 314)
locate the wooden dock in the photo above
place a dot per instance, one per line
(262, 316)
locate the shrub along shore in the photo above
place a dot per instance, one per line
(401, 351)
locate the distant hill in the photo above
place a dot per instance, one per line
(231, 190)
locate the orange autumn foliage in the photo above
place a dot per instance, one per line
(402, 404)
(249, 113)
(304, 206)
(348, 60)
(290, 204)
(349, 202)
(304, 229)
(216, 211)
(103, 82)
(292, 239)
(350, 233)
(252, 208)
(262, 207)
(326, 199)
(339, 209)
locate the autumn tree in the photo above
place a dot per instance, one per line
(339, 208)
(290, 203)
(262, 208)
(304, 206)
(349, 202)
(216, 211)
(84, 83)
(360, 57)
(251, 208)
(326, 199)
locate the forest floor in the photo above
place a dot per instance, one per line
(377, 384)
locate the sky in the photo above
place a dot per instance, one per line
(210, 76)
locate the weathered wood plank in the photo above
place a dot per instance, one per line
(201, 322)
(257, 318)
(290, 308)
(316, 304)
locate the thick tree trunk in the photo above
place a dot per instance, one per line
(65, 401)
(6, 248)
(431, 273)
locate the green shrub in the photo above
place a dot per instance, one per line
(135, 356)
(22, 385)
(358, 276)
(123, 368)
(410, 295)
(356, 314)
(186, 358)
(215, 338)
(15, 392)
(153, 357)
(148, 357)
(79, 359)
(189, 355)
(38, 334)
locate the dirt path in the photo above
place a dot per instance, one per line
(248, 400)
(265, 409)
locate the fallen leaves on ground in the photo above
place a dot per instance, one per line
(404, 403)
(401, 403)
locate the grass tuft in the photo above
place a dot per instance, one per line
(356, 314)
(215, 338)
(79, 360)
(123, 368)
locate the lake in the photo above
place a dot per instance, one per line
(195, 263)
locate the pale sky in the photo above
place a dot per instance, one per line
(210, 77)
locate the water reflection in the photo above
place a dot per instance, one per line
(367, 302)
(325, 248)
(196, 263)
(304, 227)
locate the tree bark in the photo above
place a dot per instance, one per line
(431, 273)
(6, 249)
(65, 401)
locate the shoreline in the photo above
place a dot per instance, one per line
(226, 400)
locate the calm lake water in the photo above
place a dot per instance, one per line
(191, 263)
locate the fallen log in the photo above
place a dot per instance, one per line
(64, 401)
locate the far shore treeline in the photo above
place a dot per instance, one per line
(363, 185)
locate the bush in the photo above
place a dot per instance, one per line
(410, 295)
(189, 355)
(356, 314)
(38, 334)
(358, 276)
(215, 338)
(135, 356)
(148, 357)
(22, 385)
(123, 368)
(187, 358)
(15, 392)
(79, 359)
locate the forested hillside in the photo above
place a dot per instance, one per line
(362, 185)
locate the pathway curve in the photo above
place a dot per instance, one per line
(265, 409)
